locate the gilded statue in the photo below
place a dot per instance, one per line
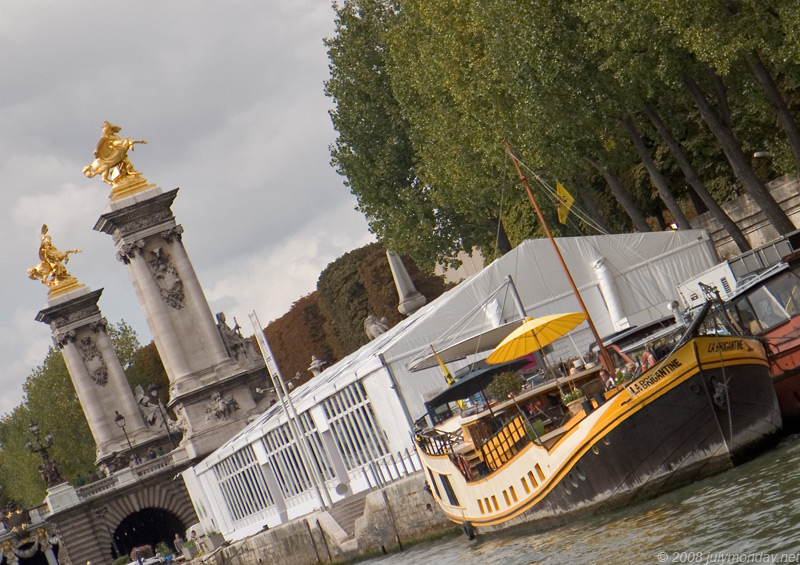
(52, 270)
(111, 157)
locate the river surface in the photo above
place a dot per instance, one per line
(749, 514)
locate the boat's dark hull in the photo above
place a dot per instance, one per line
(691, 431)
(787, 387)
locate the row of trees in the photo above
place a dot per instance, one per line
(648, 111)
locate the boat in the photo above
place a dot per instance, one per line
(766, 304)
(706, 404)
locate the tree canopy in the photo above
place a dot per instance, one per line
(649, 112)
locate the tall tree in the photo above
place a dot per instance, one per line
(50, 400)
(373, 150)
(694, 180)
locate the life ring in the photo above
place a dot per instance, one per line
(468, 529)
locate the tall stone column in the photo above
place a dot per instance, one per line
(149, 242)
(212, 385)
(79, 331)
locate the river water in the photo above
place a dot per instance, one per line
(749, 514)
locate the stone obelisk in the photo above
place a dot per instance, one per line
(213, 372)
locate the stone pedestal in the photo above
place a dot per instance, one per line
(212, 385)
(61, 497)
(79, 331)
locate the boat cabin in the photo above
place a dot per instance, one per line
(482, 439)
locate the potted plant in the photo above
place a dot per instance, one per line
(573, 400)
(190, 549)
(215, 539)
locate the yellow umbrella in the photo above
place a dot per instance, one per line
(534, 334)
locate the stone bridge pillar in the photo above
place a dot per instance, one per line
(212, 384)
(79, 331)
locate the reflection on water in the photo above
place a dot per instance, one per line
(751, 511)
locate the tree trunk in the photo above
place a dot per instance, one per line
(739, 163)
(694, 181)
(622, 196)
(723, 109)
(697, 202)
(590, 203)
(781, 109)
(655, 175)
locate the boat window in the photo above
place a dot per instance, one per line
(746, 316)
(435, 487)
(714, 324)
(735, 318)
(786, 290)
(448, 489)
(768, 309)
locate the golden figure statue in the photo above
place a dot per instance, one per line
(52, 271)
(111, 158)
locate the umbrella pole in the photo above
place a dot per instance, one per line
(544, 361)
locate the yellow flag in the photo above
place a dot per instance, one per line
(448, 376)
(565, 201)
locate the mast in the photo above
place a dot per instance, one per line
(605, 358)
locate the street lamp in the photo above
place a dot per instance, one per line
(119, 420)
(152, 388)
(101, 513)
(50, 471)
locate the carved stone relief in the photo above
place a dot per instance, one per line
(93, 359)
(127, 251)
(144, 219)
(174, 233)
(99, 326)
(167, 278)
(221, 407)
(63, 338)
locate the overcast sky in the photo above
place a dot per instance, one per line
(230, 97)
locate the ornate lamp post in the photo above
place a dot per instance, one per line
(101, 513)
(119, 420)
(152, 388)
(49, 469)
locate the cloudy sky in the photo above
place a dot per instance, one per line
(230, 97)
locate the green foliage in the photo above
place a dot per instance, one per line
(425, 92)
(50, 400)
(164, 549)
(504, 384)
(146, 367)
(122, 560)
(571, 396)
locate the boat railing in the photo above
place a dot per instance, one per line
(506, 443)
(439, 442)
